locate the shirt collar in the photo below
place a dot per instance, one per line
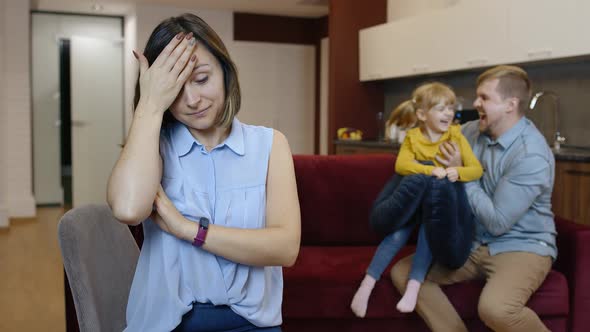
(184, 140)
(510, 136)
(235, 140)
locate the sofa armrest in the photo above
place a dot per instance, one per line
(573, 245)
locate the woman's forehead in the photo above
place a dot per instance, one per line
(204, 57)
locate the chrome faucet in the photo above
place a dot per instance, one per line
(558, 139)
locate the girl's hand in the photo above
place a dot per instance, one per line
(160, 83)
(439, 172)
(452, 174)
(166, 216)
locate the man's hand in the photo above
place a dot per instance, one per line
(450, 155)
(439, 172)
(452, 174)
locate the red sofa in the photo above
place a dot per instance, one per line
(335, 194)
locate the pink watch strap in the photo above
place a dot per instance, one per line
(202, 232)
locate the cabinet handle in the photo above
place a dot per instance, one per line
(576, 172)
(78, 123)
(420, 69)
(539, 54)
(477, 62)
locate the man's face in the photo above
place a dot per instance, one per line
(492, 108)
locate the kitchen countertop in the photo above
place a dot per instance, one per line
(566, 153)
(572, 154)
(375, 144)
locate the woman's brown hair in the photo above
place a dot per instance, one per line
(207, 37)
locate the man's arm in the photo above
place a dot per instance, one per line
(515, 193)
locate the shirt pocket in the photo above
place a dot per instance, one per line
(191, 204)
(173, 188)
(244, 207)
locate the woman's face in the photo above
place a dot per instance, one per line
(202, 96)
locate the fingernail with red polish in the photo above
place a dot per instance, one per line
(179, 36)
(135, 54)
(190, 34)
(194, 57)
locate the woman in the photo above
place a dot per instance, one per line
(217, 198)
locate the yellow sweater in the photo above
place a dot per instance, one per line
(417, 147)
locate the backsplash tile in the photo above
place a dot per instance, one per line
(570, 80)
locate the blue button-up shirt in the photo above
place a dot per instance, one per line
(512, 200)
(227, 185)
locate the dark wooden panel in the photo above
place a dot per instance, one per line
(279, 29)
(571, 191)
(352, 103)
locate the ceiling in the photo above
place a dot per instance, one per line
(299, 8)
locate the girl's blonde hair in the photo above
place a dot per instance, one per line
(428, 95)
(403, 116)
(424, 97)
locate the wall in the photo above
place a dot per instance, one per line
(398, 9)
(352, 104)
(131, 67)
(3, 138)
(15, 169)
(571, 80)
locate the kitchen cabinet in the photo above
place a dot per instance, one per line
(571, 191)
(478, 30)
(455, 38)
(472, 34)
(545, 29)
(393, 50)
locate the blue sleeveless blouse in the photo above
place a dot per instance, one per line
(228, 186)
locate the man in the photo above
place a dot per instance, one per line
(514, 244)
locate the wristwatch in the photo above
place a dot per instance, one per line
(202, 232)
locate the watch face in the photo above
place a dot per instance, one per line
(204, 222)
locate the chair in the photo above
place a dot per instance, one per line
(100, 256)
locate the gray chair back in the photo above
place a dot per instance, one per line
(100, 256)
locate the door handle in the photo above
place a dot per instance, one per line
(78, 123)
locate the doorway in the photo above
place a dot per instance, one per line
(64, 92)
(65, 117)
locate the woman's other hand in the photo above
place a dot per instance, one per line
(166, 216)
(161, 82)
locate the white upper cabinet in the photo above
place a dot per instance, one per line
(393, 51)
(475, 33)
(544, 29)
(479, 30)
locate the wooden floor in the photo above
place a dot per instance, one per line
(31, 274)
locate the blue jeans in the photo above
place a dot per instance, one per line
(206, 317)
(391, 245)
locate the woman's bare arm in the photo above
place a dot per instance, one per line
(275, 245)
(135, 178)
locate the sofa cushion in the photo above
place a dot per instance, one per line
(322, 283)
(336, 194)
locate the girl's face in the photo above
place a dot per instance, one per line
(203, 94)
(438, 119)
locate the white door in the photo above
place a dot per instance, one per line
(97, 115)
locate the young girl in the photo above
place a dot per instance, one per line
(402, 119)
(433, 105)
